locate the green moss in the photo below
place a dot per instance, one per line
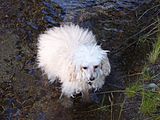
(132, 90)
(150, 102)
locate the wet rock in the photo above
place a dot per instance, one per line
(151, 86)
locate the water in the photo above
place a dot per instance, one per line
(25, 94)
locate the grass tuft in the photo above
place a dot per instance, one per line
(153, 57)
(132, 90)
(150, 102)
(146, 74)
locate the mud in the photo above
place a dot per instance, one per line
(26, 94)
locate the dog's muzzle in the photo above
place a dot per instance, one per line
(90, 83)
(92, 78)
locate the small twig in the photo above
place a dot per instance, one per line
(103, 99)
(114, 91)
(134, 35)
(155, 76)
(104, 107)
(110, 100)
(134, 74)
(148, 11)
(122, 105)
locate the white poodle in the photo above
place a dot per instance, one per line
(71, 54)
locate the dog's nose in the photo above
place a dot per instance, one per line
(92, 78)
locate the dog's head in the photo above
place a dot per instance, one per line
(91, 62)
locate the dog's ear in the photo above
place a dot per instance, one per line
(72, 72)
(106, 68)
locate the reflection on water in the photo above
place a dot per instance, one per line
(25, 94)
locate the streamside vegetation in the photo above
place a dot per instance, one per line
(147, 87)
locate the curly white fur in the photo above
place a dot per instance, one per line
(71, 53)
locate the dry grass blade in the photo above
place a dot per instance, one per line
(156, 49)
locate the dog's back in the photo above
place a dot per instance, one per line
(57, 45)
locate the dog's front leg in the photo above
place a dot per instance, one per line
(86, 96)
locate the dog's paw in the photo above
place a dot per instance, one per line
(95, 98)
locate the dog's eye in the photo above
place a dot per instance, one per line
(85, 68)
(96, 66)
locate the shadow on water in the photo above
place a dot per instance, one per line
(24, 94)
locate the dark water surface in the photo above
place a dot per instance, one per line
(26, 95)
